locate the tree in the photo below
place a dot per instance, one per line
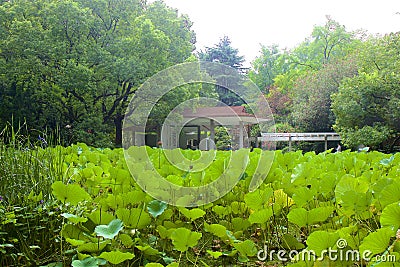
(222, 138)
(328, 42)
(299, 82)
(267, 66)
(367, 106)
(65, 61)
(311, 107)
(224, 53)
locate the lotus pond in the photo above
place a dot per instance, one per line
(80, 206)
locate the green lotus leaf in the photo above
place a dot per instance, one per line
(261, 216)
(377, 242)
(154, 264)
(216, 229)
(93, 247)
(321, 240)
(73, 218)
(246, 249)
(156, 208)
(88, 262)
(116, 257)
(110, 230)
(183, 238)
(214, 254)
(75, 242)
(72, 231)
(302, 217)
(387, 162)
(133, 197)
(164, 232)
(70, 193)
(192, 214)
(391, 216)
(134, 218)
(290, 242)
(390, 194)
(240, 224)
(258, 199)
(298, 216)
(147, 250)
(126, 240)
(101, 217)
(302, 195)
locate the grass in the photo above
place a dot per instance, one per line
(26, 166)
(29, 217)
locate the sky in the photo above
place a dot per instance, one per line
(287, 23)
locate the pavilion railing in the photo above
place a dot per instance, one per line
(292, 137)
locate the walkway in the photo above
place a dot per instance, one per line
(290, 137)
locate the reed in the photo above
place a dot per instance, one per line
(27, 163)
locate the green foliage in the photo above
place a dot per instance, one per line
(334, 80)
(156, 208)
(302, 217)
(74, 65)
(267, 67)
(134, 218)
(222, 139)
(224, 53)
(109, 231)
(377, 242)
(391, 216)
(307, 202)
(71, 193)
(88, 262)
(246, 249)
(183, 239)
(73, 218)
(319, 241)
(27, 207)
(192, 214)
(116, 257)
(311, 107)
(216, 229)
(366, 105)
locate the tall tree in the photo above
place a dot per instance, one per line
(328, 42)
(311, 106)
(69, 61)
(367, 106)
(267, 66)
(224, 53)
(301, 80)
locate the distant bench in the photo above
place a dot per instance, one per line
(290, 137)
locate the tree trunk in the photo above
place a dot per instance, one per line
(118, 130)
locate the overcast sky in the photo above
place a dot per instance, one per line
(284, 22)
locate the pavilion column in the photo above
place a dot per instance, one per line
(175, 137)
(166, 137)
(241, 134)
(212, 134)
(140, 136)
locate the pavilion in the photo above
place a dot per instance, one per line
(197, 128)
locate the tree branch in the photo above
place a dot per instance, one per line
(381, 97)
